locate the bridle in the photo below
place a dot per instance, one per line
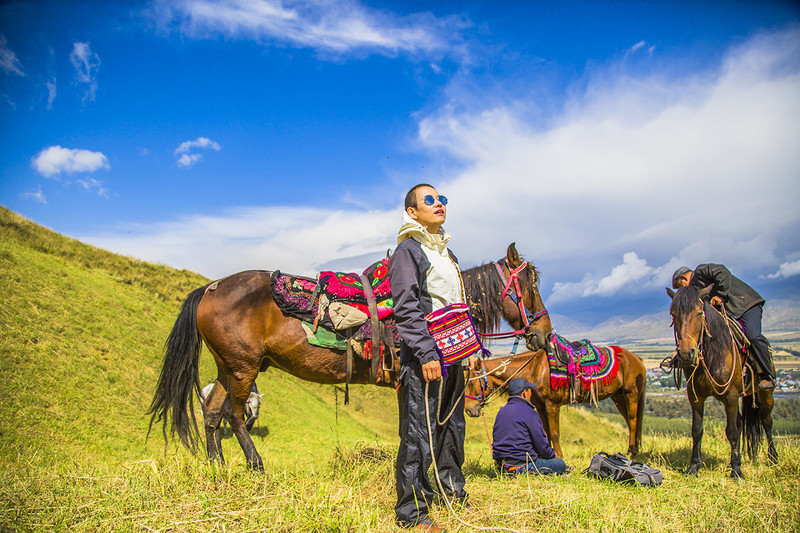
(513, 279)
(487, 391)
(701, 360)
(512, 289)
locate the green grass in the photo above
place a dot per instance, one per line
(81, 337)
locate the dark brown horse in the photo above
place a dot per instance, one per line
(627, 391)
(712, 365)
(240, 324)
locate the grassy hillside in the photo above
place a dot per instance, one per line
(81, 336)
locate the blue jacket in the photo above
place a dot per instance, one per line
(518, 434)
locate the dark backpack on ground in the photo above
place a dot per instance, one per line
(617, 467)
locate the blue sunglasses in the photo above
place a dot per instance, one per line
(430, 200)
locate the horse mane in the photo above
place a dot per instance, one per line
(718, 338)
(484, 286)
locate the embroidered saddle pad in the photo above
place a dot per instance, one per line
(586, 361)
(295, 297)
(348, 288)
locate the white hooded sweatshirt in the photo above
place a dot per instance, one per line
(443, 277)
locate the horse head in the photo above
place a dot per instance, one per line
(522, 304)
(689, 321)
(476, 390)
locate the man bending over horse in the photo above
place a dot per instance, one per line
(424, 277)
(520, 445)
(741, 302)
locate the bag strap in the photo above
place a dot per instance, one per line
(376, 332)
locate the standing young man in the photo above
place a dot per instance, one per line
(424, 277)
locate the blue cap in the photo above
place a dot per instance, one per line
(518, 385)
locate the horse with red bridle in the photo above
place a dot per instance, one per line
(626, 390)
(238, 321)
(713, 367)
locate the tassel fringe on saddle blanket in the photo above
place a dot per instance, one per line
(582, 366)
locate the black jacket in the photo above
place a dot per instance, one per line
(408, 269)
(737, 295)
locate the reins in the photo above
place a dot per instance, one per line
(483, 399)
(436, 467)
(718, 388)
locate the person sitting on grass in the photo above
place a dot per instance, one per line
(520, 444)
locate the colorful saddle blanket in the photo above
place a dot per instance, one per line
(587, 362)
(348, 288)
(299, 297)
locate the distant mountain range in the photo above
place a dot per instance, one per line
(779, 315)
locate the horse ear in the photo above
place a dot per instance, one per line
(705, 292)
(512, 256)
(670, 292)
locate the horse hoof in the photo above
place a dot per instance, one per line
(691, 471)
(737, 474)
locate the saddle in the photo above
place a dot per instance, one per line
(581, 365)
(356, 309)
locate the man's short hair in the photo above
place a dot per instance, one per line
(411, 196)
(677, 275)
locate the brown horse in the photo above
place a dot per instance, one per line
(245, 331)
(627, 391)
(712, 365)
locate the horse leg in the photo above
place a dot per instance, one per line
(212, 420)
(238, 393)
(698, 408)
(767, 403)
(733, 430)
(627, 407)
(553, 411)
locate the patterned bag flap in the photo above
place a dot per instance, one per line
(454, 332)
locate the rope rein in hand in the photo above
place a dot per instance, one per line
(436, 467)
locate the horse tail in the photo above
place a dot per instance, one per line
(179, 375)
(752, 431)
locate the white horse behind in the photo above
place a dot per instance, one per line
(251, 407)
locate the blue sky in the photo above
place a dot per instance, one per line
(612, 141)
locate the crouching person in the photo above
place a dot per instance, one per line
(520, 444)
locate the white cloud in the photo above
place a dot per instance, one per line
(54, 160)
(659, 170)
(51, 91)
(629, 275)
(678, 169)
(336, 27)
(8, 59)
(91, 184)
(786, 270)
(86, 65)
(200, 142)
(187, 159)
(291, 239)
(36, 195)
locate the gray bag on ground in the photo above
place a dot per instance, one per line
(617, 467)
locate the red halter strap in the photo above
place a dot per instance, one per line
(514, 278)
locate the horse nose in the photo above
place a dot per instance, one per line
(473, 411)
(689, 355)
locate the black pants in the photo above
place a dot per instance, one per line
(415, 491)
(751, 324)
